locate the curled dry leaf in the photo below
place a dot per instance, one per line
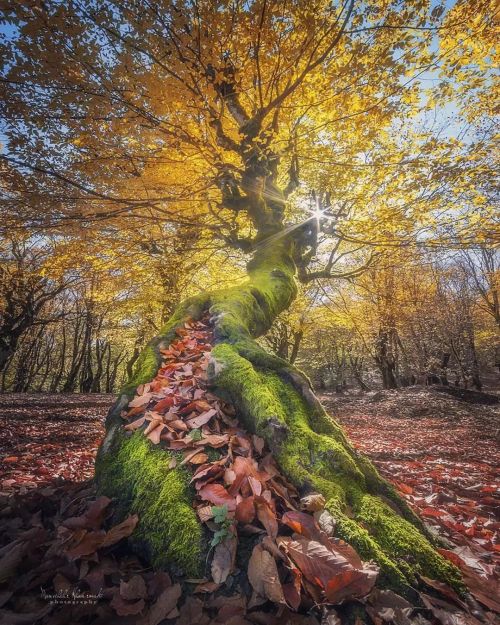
(198, 458)
(266, 516)
(140, 400)
(126, 608)
(330, 570)
(325, 521)
(312, 502)
(122, 530)
(204, 417)
(135, 424)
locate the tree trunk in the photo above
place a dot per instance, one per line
(275, 401)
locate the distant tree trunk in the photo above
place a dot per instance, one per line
(135, 355)
(56, 380)
(356, 364)
(444, 368)
(100, 347)
(385, 360)
(297, 338)
(275, 401)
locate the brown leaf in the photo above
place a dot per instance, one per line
(206, 587)
(198, 458)
(445, 590)
(263, 575)
(446, 613)
(218, 495)
(12, 558)
(258, 443)
(122, 530)
(245, 510)
(165, 603)
(207, 471)
(191, 613)
(331, 571)
(164, 404)
(204, 417)
(266, 516)
(312, 502)
(214, 440)
(486, 591)
(135, 588)
(126, 608)
(140, 400)
(351, 584)
(205, 513)
(154, 423)
(291, 590)
(223, 560)
(90, 542)
(154, 434)
(305, 524)
(135, 424)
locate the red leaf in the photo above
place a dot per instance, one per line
(218, 495)
(245, 510)
(164, 404)
(266, 516)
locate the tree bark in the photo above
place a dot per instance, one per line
(274, 400)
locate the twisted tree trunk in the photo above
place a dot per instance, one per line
(275, 401)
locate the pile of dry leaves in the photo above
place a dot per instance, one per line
(274, 559)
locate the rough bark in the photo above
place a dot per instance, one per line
(274, 400)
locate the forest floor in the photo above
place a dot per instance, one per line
(440, 451)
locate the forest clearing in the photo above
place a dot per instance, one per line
(249, 312)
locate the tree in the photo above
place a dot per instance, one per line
(201, 115)
(24, 292)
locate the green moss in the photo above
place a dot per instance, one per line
(137, 474)
(402, 541)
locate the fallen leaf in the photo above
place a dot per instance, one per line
(312, 502)
(245, 510)
(122, 530)
(199, 458)
(263, 575)
(218, 495)
(135, 588)
(165, 603)
(135, 424)
(223, 560)
(140, 400)
(201, 419)
(125, 608)
(266, 516)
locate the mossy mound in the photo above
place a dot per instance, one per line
(137, 475)
(275, 401)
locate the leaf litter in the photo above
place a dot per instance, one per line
(295, 570)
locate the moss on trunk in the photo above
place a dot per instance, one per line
(275, 401)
